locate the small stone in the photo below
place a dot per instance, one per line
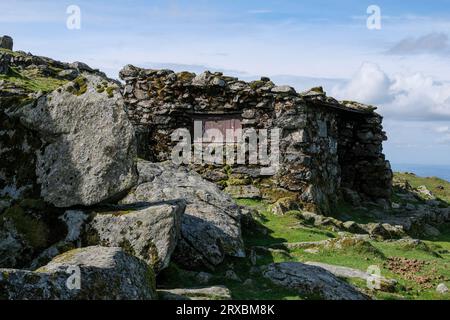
(80, 66)
(209, 293)
(248, 283)
(284, 89)
(254, 270)
(442, 288)
(248, 114)
(204, 277)
(395, 205)
(284, 205)
(69, 74)
(431, 231)
(218, 82)
(423, 191)
(231, 275)
(352, 226)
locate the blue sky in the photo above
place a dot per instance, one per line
(403, 68)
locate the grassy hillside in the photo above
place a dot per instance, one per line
(418, 268)
(439, 187)
(33, 78)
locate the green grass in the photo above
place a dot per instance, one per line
(279, 229)
(31, 82)
(13, 53)
(272, 229)
(432, 183)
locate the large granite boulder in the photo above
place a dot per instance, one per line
(149, 232)
(105, 274)
(311, 280)
(88, 147)
(211, 225)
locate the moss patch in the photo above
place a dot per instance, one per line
(110, 92)
(32, 229)
(78, 86)
(31, 82)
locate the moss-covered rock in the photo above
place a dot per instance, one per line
(33, 230)
(148, 232)
(106, 274)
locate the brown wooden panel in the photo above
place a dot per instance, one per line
(222, 125)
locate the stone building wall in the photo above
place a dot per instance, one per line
(324, 145)
(363, 164)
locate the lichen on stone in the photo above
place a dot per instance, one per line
(34, 231)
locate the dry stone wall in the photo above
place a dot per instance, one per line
(324, 145)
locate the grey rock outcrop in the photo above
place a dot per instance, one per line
(6, 42)
(150, 233)
(312, 281)
(105, 274)
(208, 293)
(385, 284)
(89, 143)
(211, 225)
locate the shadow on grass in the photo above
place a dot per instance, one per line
(250, 284)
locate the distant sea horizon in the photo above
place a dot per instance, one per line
(424, 170)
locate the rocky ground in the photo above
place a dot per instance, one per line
(414, 264)
(74, 197)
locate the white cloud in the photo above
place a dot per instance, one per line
(445, 139)
(443, 129)
(369, 84)
(430, 43)
(444, 132)
(402, 96)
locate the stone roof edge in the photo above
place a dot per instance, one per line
(315, 96)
